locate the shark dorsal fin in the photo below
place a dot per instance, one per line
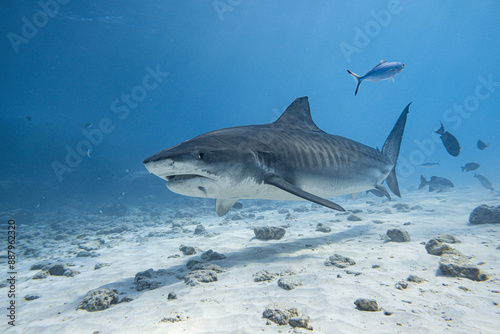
(297, 115)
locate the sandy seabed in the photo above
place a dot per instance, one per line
(150, 238)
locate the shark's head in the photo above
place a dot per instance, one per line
(205, 166)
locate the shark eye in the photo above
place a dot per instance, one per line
(201, 155)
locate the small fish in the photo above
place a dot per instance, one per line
(449, 141)
(481, 145)
(37, 206)
(88, 125)
(436, 183)
(484, 182)
(29, 119)
(88, 152)
(382, 71)
(430, 164)
(469, 167)
(127, 170)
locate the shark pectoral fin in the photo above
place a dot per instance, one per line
(222, 206)
(382, 189)
(277, 181)
(392, 182)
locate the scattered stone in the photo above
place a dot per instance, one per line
(125, 299)
(191, 263)
(387, 211)
(172, 296)
(113, 230)
(323, 228)
(187, 250)
(376, 266)
(301, 322)
(290, 216)
(401, 207)
(200, 276)
(237, 216)
(41, 275)
(207, 266)
(210, 255)
(301, 209)
(353, 218)
(283, 211)
(287, 272)
(339, 261)
(200, 230)
(161, 234)
(289, 283)
(263, 276)
(367, 304)
(435, 247)
(355, 273)
(44, 265)
(31, 297)
(280, 313)
(398, 235)
(90, 245)
(147, 280)
(447, 238)
(269, 233)
(377, 221)
(415, 279)
(61, 269)
(83, 254)
(461, 287)
(457, 265)
(175, 317)
(356, 211)
(416, 207)
(98, 300)
(485, 214)
(401, 285)
(101, 265)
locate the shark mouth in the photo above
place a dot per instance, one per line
(183, 177)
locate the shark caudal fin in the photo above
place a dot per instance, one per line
(423, 182)
(391, 149)
(358, 80)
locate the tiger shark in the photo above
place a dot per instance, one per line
(290, 159)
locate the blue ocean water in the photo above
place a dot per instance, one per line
(90, 90)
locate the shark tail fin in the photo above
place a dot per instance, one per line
(391, 149)
(358, 80)
(423, 182)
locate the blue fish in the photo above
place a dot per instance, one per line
(382, 71)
